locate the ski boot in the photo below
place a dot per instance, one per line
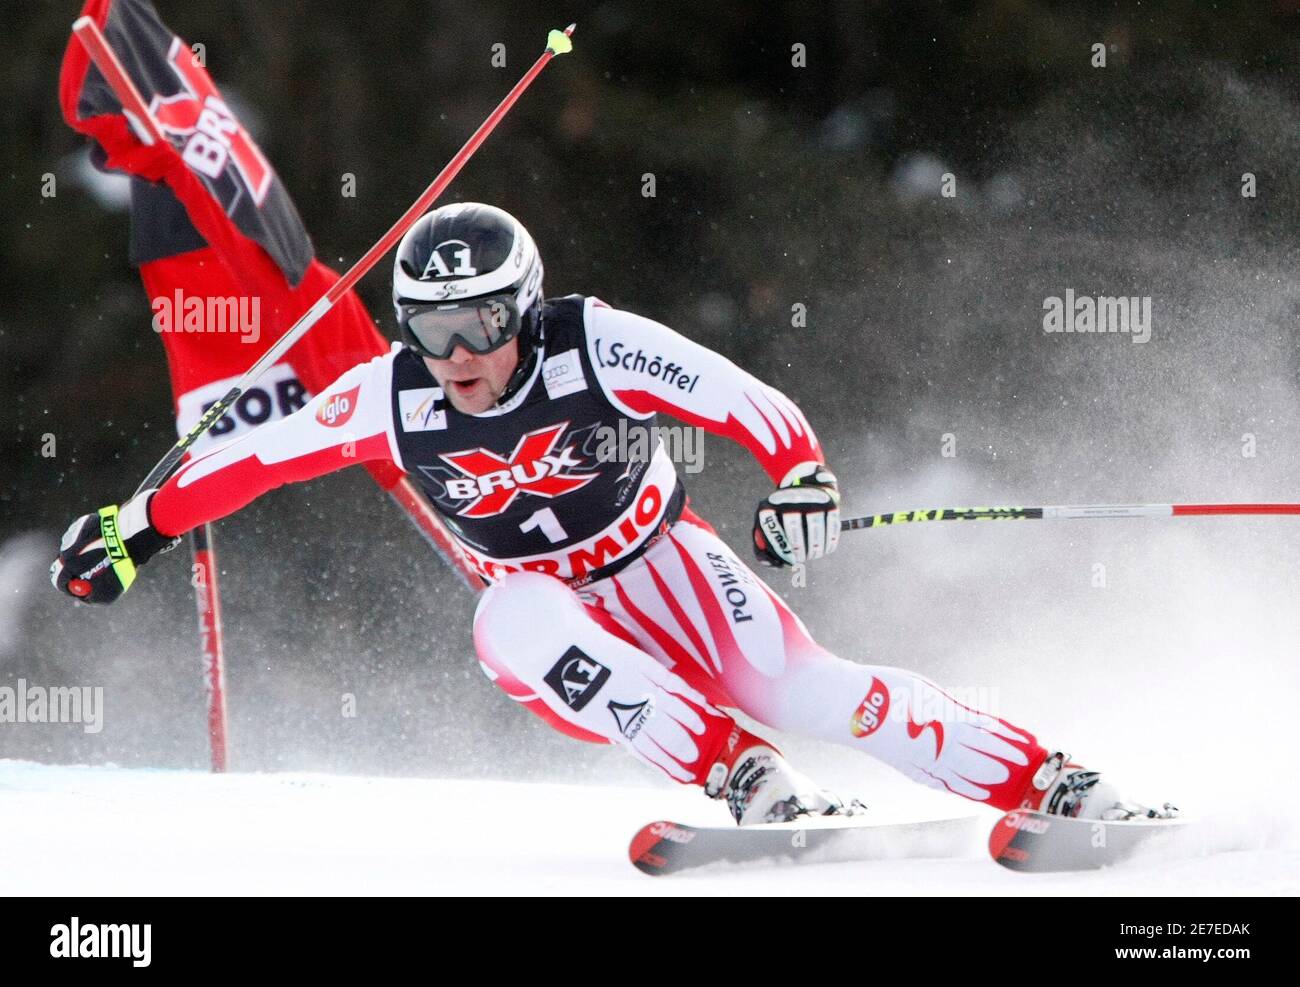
(760, 786)
(1061, 788)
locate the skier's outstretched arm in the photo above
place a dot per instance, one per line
(646, 368)
(349, 422)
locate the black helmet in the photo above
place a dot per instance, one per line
(468, 274)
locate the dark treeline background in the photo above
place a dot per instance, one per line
(776, 185)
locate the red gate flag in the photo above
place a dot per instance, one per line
(226, 261)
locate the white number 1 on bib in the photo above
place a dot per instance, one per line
(549, 524)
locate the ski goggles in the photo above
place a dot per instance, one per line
(481, 325)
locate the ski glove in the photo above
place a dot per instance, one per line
(801, 519)
(100, 552)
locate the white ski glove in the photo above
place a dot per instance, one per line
(800, 520)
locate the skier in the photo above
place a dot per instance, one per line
(612, 611)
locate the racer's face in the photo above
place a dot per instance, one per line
(473, 381)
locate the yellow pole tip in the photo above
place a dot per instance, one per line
(559, 43)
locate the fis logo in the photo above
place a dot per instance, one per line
(338, 408)
(871, 712)
(576, 678)
(423, 409)
(492, 482)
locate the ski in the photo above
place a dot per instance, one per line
(1036, 842)
(666, 847)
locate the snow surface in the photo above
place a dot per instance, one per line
(113, 831)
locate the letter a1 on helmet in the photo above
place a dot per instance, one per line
(466, 275)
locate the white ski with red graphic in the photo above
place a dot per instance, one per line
(1035, 841)
(667, 847)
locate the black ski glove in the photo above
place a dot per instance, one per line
(100, 552)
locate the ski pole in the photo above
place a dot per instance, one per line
(557, 43)
(1060, 513)
(207, 598)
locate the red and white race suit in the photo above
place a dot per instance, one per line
(614, 612)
